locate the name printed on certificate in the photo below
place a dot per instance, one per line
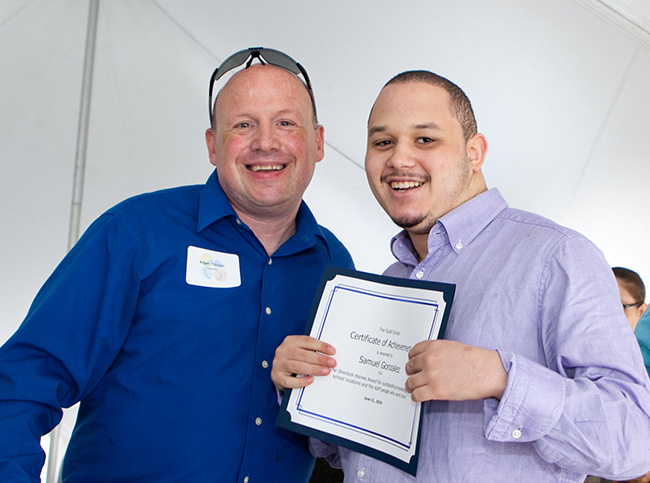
(373, 322)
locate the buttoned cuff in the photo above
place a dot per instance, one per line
(531, 404)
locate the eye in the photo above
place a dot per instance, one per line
(382, 143)
(243, 125)
(285, 123)
(424, 140)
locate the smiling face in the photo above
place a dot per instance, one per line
(418, 164)
(264, 143)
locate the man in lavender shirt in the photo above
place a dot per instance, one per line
(540, 377)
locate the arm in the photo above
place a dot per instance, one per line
(587, 407)
(73, 331)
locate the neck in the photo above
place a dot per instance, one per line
(271, 232)
(421, 244)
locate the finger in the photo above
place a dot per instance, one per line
(422, 394)
(288, 382)
(293, 345)
(422, 388)
(419, 348)
(298, 355)
(415, 381)
(310, 365)
(310, 343)
(418, 362)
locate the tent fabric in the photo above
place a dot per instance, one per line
(559, 89)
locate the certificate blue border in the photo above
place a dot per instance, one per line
(284, 417)
(349, 288)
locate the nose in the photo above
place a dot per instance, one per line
(401, 156)
(265, 138)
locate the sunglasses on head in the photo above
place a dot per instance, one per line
(265, 56)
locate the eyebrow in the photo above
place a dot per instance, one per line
(427, 125)
(415, 127)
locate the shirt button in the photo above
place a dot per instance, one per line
(516, 433)
(258, 421)
(270, 261)
(361, 473)
(420, 274)
(268, 311)
(459, 245)
(239, 223)
(265, 364)
(246, 479)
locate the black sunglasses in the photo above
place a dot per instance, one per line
(265, 56)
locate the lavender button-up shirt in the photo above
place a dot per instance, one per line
(577, 400)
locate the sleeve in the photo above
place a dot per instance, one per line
(71, 335)
(329, 452)
(587, 409)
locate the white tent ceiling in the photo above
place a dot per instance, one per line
(560, 89)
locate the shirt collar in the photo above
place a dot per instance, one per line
(461, 225)
(464, 223)
(214, 205)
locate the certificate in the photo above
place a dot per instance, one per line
(373, 322)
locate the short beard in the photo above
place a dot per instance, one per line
(408, 222)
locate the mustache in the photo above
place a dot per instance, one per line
(404, 176)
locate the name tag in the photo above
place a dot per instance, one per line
(207, 268)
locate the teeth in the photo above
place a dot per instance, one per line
(274, 167)
(404, 185)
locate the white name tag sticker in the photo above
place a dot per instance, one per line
(207, 268)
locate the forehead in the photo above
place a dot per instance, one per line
(412, 103)
(262, 86)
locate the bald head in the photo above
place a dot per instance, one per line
(265, 77)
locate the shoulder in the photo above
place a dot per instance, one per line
(148, 214)
(527, 219)
(338, 253)
(538, 243)
(526, 227)
(157, 201)
(154, 208)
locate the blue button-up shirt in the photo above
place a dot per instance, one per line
(173, 374)
(577, 399)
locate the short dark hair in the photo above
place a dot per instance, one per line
(460, 105)
(631, 281)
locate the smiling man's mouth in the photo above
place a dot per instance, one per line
(405, 185)
(266, 167)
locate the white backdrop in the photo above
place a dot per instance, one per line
(560, 88)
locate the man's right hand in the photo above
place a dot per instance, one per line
(304, 356)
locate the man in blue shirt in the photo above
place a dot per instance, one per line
(539, 377)
(164, 318)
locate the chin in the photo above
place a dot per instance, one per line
(407, 222)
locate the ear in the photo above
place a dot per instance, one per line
(320, 142)
(211, 142)
(476, 150)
